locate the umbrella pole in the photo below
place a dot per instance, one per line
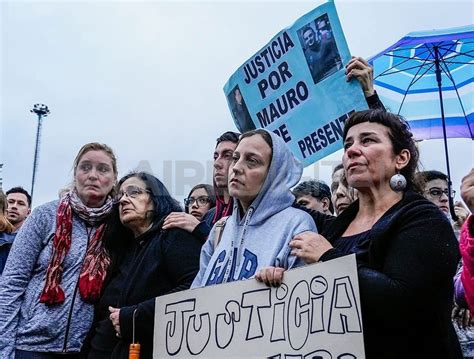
(443, 121)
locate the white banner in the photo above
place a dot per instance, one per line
(314, 314)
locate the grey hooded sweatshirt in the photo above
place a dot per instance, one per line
(25, 323)
(260, 238)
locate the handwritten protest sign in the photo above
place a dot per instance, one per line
(296, 86)
(314, 314)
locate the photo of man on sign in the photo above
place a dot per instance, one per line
(320, 48)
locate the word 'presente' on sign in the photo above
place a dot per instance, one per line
(324, 136)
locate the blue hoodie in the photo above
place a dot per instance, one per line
(260, 238)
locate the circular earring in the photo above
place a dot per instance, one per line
(398, 182)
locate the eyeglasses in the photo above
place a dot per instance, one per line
(131, 192)
(201, 201)
(438, 192)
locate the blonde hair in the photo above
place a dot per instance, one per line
(5, 225)
(95, 146)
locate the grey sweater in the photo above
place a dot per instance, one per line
(25, 323)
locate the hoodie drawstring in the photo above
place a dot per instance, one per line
(228, 269)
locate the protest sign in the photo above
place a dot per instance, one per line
(296, 86)
(315, 313)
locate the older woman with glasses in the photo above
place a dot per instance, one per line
(147, 262)
(57, 265)
(200, 200)
(435, 189)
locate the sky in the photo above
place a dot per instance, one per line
(146, 78)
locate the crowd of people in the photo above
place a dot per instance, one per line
(80, 274)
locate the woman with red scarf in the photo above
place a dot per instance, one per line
(57, 265)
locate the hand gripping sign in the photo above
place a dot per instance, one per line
(296, 86)
(315, 313)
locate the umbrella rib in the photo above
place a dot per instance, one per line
(460, 63)
(402, 70)
(387, 70)
(401, 63)
(445, 69)
(425, 61)
(423, 74)
(467, 53)
(405, 57)
(399, 56)
(462, 54)
(451, 51)
(460, 102)
(404, 48)
(411, 84)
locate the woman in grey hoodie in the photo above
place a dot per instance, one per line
(57, 265)
(263, 221)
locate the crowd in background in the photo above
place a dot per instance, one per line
(79, 275)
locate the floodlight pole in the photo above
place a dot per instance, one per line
(445, 137)
(41, 111)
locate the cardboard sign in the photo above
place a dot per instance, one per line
(315, 313)
(296, 86)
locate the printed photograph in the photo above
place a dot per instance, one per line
(320, 48)
(240, 112)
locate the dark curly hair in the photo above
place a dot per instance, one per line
(399, 134)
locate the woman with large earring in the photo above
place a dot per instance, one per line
(405, 247)
(57, 265)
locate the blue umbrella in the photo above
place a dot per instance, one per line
(428, 78)
(424, 70)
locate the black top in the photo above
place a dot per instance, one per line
(156, 263)
(349, 244)
(406, 266)
(374, 102)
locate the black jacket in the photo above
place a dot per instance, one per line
(6, 241)
(157, 263)
(406, 267)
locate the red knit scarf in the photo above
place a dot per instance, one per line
(94, 266)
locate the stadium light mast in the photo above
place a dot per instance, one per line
(41, 111)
